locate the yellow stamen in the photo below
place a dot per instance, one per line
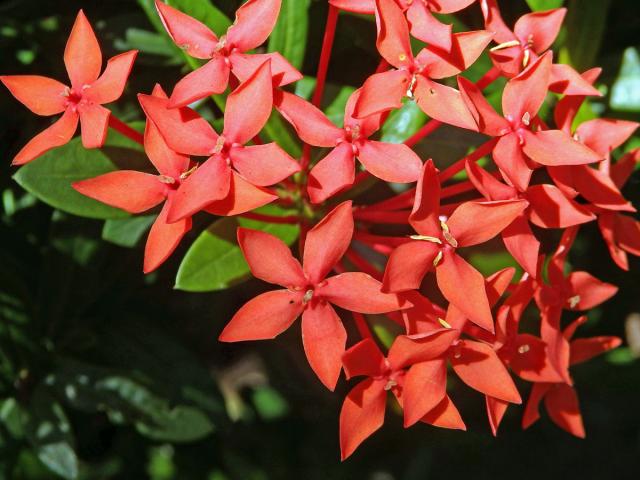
(502, 46)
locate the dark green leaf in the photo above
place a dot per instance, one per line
(289, 37)
(539, 5)
(585, 24)
(403, 123)
(127, 232)
(215, 262)
(50, 177)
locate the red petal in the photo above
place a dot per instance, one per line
(489, 186)
(324, 339)
(331, 174)
(627, 232)
(82, 55)
(408, 264)
(606, 224)
(242, 197)
(312, 126)
(522, 244)
(210, 79)
(592, 292)
(567, 108)
(390, 162)
(445, 415)
(424, 388)
(594, 185)
(478, 366)
(244, 65)
(210, 182)
(425, 27)
(555, 147)
(163, 239)
(449, 6)
(583, 349)
(361, 415)
(602, 135)
(368, 125)
(443, 103)
(511, 161)
(530, 360)
(182, 128)
(567, 81)
(532, 409)
(254, 22)
(359, 292)
(409, 350)
(540, 28)
(494, 23)
(263, 165)
(355, 6)
(327, 242)
(264, 317)
(495, 411)
(382, 92)
(485, 116)
(426, 206)
(109, 87)
(473, 223)
(54, 136)
(549, 208)
(526, 92)
(563, 408)
(270, 258)
(41, 95)
(393, 40)
(242, 123)
(166, 161)
(463, 286)
(94, 123)
(134, 192)
(364, 358)
(187, 32)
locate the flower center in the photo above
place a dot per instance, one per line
(308, 295)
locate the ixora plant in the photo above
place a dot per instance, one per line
(366, 255)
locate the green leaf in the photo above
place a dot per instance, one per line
(215, 262)
(49, 431)
(289, 37)
(538, 5)
(49, 177)
(269, 404)
(403, 123)
(625, 91)
(127, 232)
(585, 25)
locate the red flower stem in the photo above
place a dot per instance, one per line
(402, 200)
(360, 177)
(382, 66)
(428, 128)
(121, 127)
(371, 239)
(361, 325)
(450, 207)
(392, 218)
(456, 189)
(488, 78)
(325, 54)
(363, 264)
(474, 156)
(290, 220)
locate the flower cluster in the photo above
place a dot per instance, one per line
(550, 176)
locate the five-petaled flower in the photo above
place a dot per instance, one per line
(81, 101)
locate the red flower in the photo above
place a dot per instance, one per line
(424, 26)
(413, 76)
(308, 292)
(388, 161)
(413, 368)
(253, 24)
(136, 192)
(560, 399)
(533, 34)
(548, 208)
(188, 133)
(520, 147)
(82, 101)
(437, 242)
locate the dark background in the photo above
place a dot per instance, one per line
(71, 302)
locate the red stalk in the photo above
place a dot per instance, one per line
(325, 54)
(474, 156)
(361, 325)
(392, 218)
(121, 127)
(363, 264)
